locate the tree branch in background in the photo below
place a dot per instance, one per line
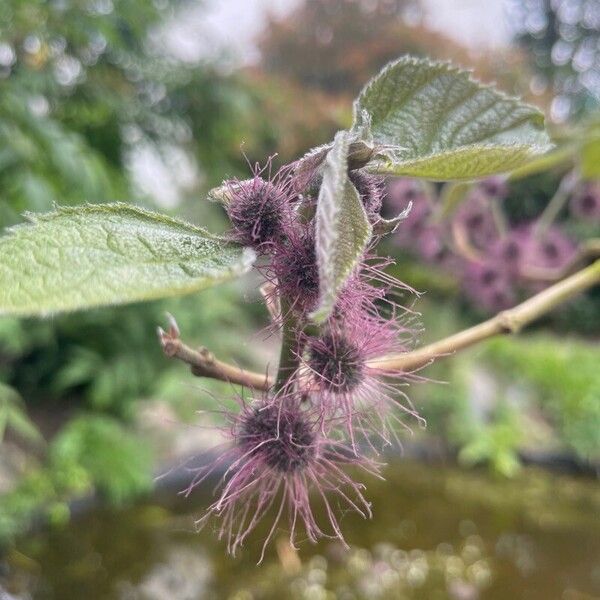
(507, 321)
(204, 364)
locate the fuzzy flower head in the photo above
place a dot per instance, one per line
(259, 209)
(585, 203)
(346, 386)
(278, 456)
(294, 271)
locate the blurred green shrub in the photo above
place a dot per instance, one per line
(564, 374)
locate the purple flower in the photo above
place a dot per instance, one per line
(550, 249)
(431, 244)
(489, 285)
(494, 187)
(339, 362)
(508, 252)
(585, 203)
(293, 270)
(475, 218)
(260, 210)
(279, 454)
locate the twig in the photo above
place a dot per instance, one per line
(204, 364)
(507, 321)
(555, 204)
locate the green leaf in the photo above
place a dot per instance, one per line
(14, 416)
(342, 226)
(560, 156)
(96, 255)
(590, 157)
(432, 120)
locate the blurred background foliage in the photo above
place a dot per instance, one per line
(93, 108)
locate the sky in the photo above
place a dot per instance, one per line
(229, 27)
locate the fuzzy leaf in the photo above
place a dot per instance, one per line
(96, 255)
(432, 120)
(342, 227)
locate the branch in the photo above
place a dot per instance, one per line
(507, 321)
(203, 362)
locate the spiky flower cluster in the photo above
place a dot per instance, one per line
(497, 261)
(287, 448)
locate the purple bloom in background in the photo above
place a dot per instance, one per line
(585, 202)
(474, 217)
(399, 193)
(508, 252)
(494, 187)
(489, 285)
(550, 249)
(431, 244)
(278, 453)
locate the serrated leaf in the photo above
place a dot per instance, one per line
(342, 226)
(432, 120)
(96, 255)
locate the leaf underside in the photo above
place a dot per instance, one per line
(97, 255)
(342, 226)
(432, 120)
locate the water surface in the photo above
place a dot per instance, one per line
(437, 532)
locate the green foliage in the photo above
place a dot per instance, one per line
(113, 459)
(589, 161)
(90, 453)
(431, 120)
(109, 254)
(342, 230)
(108, 359)
(567, 378)
(495, 443)
(43, 163)
(14, 417)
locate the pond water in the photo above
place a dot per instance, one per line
(438, 532)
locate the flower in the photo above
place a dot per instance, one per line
(260, 210)
(339, 361)
(549, 249)
(293, 270)
(494, 187)
(508, 252)
(585, 203)
(474, 216)
(489, 285)
(279, 453)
